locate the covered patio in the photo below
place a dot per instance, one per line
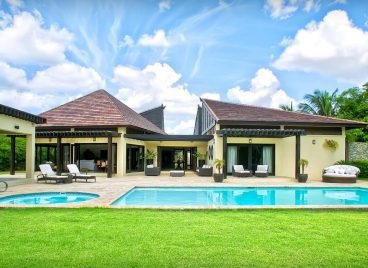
(249, 134)
(16, 123)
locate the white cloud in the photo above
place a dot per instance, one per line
(154, 85)
(61, 78)
(25, 41)
(211, 96)
(185, 126)
(15, 4)
(158, 39)
(332, 47)
(127, 41)
(283, 9)
(66, 77)
(164, 5)
(264, 91)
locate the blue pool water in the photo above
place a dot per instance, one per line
(47, 198)
(242, 196)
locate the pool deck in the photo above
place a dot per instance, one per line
(111, 189)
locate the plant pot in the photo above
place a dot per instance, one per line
(201, 163)
(302, 177)
(218, 177)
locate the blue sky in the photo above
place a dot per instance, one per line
(173, 52)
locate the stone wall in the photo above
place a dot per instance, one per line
(357, 150)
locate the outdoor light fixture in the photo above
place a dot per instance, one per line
(313, 141)
(250, 141)
(94, 138)
(50, 139)
(16, 127)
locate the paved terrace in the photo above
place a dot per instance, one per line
(111, 189)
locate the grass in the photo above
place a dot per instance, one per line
(96, 237)
(8, 172)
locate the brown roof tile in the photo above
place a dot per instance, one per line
(98, 108)
(226, 112)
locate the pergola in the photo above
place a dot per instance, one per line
(22, 124)
(80, 134)
(262, 133)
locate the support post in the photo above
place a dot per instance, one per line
(30, 155)
(109, 156)
(58, 156)
(12, 155)
(224, 154)
(297, 156)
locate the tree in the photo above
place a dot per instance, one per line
(353, 104)
(320, 102)
(286, 107)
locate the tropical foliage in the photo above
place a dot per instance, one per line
(320, 102)
(20, 153)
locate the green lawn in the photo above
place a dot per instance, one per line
(8, 172)
(95, 237)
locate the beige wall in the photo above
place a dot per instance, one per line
(318, 156)
(7, 127)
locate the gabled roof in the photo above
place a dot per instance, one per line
(97, 109)
(225, 112)
(21, 114)
(156, 116)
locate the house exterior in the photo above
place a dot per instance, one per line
(19, 123)
(100, 133)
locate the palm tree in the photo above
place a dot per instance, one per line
(320, 102)
(286, 107)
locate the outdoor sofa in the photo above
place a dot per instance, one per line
(262, 171)
(205, 171)
(340, 174)
(239, 171)
(47, 175)
(152, 171)
(73, 170)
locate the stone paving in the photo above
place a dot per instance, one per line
(111, 189)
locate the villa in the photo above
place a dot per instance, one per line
(100, 133)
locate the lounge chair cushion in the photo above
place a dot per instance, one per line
(238, 168)
(262, 168)
(149, 166)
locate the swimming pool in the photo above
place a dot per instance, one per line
(242, 196)
(47, 198)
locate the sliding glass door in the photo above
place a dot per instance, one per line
(251, 155)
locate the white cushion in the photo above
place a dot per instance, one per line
(243, 171)
(238, 168)
(339, 175)
(150, 166)
(261, 171)
(262, 168)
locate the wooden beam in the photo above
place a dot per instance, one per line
(109, 157)
(59, 156)
(12, 155)
(297, 156)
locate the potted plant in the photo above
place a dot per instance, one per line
(179, 160)
(303, 164)
(219, 165)
(200, 157)
(150, 156)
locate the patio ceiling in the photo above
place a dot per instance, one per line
(267, 133)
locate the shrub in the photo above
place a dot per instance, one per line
(361, 164)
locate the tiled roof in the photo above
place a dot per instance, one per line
(231, 112)
(21, 114)
(97, 109)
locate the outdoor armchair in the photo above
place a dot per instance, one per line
(262, 171)
(239, 171)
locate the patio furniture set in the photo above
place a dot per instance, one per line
(48, 175)
(239, 171)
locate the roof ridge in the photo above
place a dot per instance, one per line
(280, 110)
(117, 102)
(93, 92)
